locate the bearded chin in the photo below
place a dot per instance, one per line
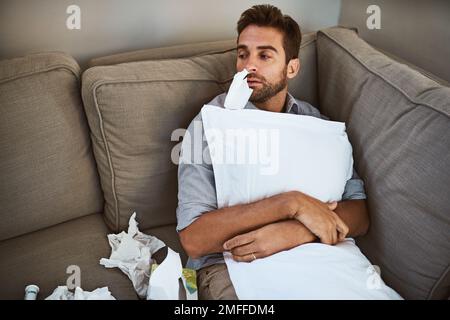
(268, 91)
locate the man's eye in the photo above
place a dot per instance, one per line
(241, 56)
(264, 57)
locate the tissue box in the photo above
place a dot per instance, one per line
(189, 277)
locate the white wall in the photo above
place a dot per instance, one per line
(416, 30)
(111, 26)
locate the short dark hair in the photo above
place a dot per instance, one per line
(266, 15)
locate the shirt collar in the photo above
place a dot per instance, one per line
(291, 105)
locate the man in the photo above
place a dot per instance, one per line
(267, 46)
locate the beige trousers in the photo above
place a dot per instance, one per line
(214, 283)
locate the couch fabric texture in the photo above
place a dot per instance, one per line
(398, 122)
(48, 172)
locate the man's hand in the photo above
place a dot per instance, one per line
(319, 217)
(268, 240)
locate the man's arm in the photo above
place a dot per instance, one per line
(355, 215)
(208, 233)
(268, 240)
(284, 235)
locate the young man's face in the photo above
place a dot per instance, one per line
(260, 51)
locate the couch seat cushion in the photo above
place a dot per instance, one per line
(42, 258)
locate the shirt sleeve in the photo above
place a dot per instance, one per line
(196, 184)
(354, 188)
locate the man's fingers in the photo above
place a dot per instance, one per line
(329, 235)
(238, 241)
(331, 239)
(246, 249)
(326, 239)
(341, 227)
(342, 230)
(342, 236)
(247, 258)
(332, 205)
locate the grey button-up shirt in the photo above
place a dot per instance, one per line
(196, 184)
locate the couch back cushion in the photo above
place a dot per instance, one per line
(133, 109)
(398, 122)
(304, 86)
(48, 173)
(164, 53)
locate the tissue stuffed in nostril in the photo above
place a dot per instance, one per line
(239, 92)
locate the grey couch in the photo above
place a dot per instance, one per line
(80, 152)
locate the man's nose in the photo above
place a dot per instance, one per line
(250, 68)
(251, 65)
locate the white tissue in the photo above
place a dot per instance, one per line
(63, 293)
(131, 253)
(239, 92)
(164, 281)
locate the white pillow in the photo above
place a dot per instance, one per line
(310, 271)
(293, 152)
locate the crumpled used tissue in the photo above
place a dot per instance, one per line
(239, 92)
(131, 253)
(63, 293)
